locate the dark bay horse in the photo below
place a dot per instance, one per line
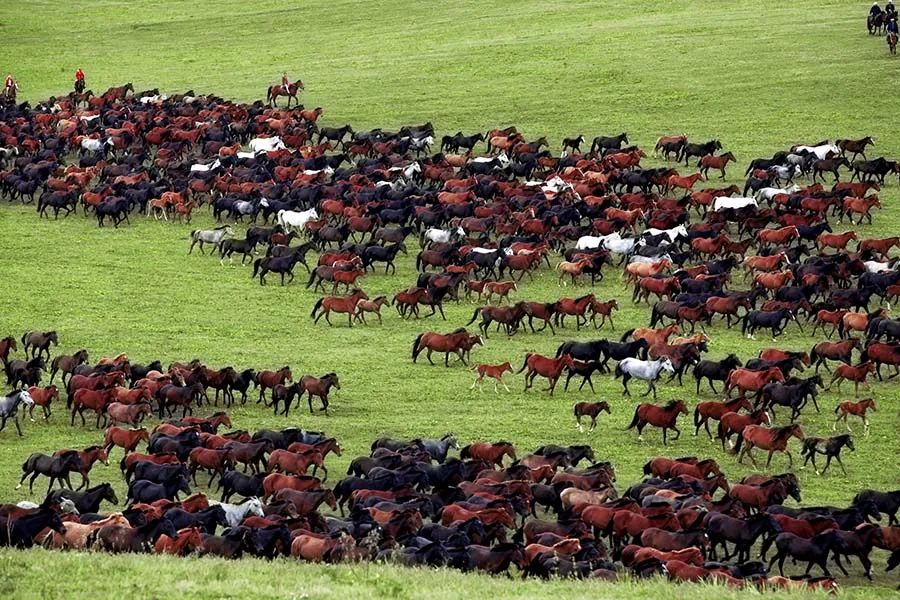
(39, 342)
(455, 342)
(658, 416)
(318, 386)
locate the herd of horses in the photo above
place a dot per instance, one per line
(763, 256)
(410, 502)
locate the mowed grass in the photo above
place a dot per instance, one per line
(759, 76)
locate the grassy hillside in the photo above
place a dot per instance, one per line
(758, 75)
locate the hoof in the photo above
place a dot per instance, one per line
(18, 486)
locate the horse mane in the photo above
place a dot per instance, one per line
(92, 448)
(458, 330)
(670, 404)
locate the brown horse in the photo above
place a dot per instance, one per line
(339, 304)
(860, 206)
(490, 453)
(684, 182)
(128, 439)
(318, 386)
(858, 374)
(589, 409)
(269, 379)
(859, 409)
(734, 423)
(7, 345)
(42, 397)
(499, 288)
(715, 411)
(747, 380)
(451, 342)
(773, 439)
(715, 162)
(605, 310)
(131, 414)
(370, 306)
(576, 307)
(88, 457)
(551, 368)
(274, 91)
(658, 416)
(96, 400)
(493, 371)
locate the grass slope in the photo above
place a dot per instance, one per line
(757, 75)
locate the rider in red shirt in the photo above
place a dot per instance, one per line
(79, 75)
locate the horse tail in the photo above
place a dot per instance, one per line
(418, 261)
(619, 371)
(524, 364)
(415, 347)
(635, 420)
(316, 307)
(697, 416)
(813, 355)
(474, 316)
(837, 409)
(25, 335)
(737, 444)
(647, 468)
(28, 465)
(626, 334)
(559, 351)
(744, 323)
(256, 265)
(312, 278)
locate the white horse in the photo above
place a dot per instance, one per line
(201, 168)
(646, 370)
(591, 242)
(767, 193)
(293, 219)
(92, 145)
(621, 245)
(637, 258)
(409, 171)
(674, 233)
(723, 202)
(258, 145)
(9, 407)
(66, 506)
(501, 158)
(873, 266)
(442, 236)
(821, 152)
(236, 513)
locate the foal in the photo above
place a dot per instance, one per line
(854, 408)
(495, 372)
(589, 409)
(830, 447)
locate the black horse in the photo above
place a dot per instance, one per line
(776, 320)
(89, 500)
(715, 370)
(698, 150)
(20, 532)
(623, 350)
(609, 142)
(385, 254)
(57, 468)
(283, 265)
(814, 551)
(830, 447)
(142, 490)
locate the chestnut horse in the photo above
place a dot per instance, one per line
(551, 368)
(859, 409)
(340, 304)
(456, 342)
(773, 439)
(493, 371)
(490, 453)
(658, 416)
(857, 375)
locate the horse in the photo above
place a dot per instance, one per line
(830, 447)
(490, 453)
(734, 423)
(42, 396)
(710, 161)
(589, 409)
(57, 468)
(7, 344)
(318, 386)
(859, 409)
(209, 236)
(88, 457)
(273, 91)
(647, 370)
(370, 306)
(551, 368)
(127, 439)
(339, 304)
(857, 374)
(773, 440)
(39, 342)
(20, 532)
(705, 411)
(747, 380)
(658, 416)
(9, 407)
(493, 371)
(605, 310)
(891, 40)
(67, 364)
(283, 265)
(577, 307)
(269, 379)
(776, 320)
(455, 342)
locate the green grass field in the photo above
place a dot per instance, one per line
(757, 75)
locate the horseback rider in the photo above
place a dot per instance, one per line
(892, 26)
(874, 11)
(10, 87)
(890, 12)
(285, 83)
(79, 80)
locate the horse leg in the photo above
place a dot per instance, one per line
(665, 436)
(677, 433)
(625, 378)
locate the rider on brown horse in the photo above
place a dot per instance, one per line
(10, 87)
(285, 82)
